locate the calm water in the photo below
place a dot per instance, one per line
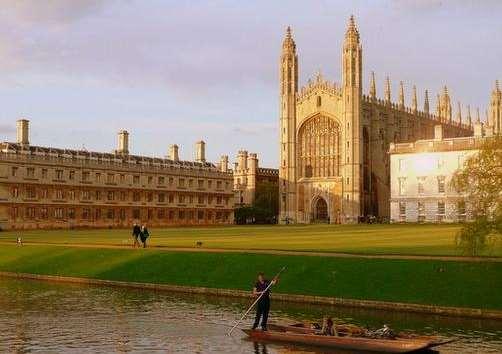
(40, 317)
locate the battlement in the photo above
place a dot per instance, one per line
(392, 106)
(9, 151)
(263, 171)
(318, 83)
(436, 145)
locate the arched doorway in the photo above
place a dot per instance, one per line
(320, 210)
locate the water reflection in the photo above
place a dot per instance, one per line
(39, 317)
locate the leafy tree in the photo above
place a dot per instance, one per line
(480, 180)
(267, 198)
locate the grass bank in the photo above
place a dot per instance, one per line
(407, 239)
(457, 284)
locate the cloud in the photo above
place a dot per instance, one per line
(50, 11)
(254, 129)
(6, 130)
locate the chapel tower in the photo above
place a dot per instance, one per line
(351, 147)
(495, 116)
(288, 92)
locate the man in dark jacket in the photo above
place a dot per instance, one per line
(263, 305)
(144, 235)
(136, 232)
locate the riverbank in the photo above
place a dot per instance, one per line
(355, 281)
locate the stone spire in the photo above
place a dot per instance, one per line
(352, 68)
(387, 90)
(469, 118)
(445, 106)
(352, 31)
(401, 95)
(459, 113)
(438, 106)
(414, 101)
(426, 102)
(478, 118)
(288, 45)
(372, 85)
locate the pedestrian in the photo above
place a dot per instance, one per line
(144, 235)
(263, 305)
(136, 231)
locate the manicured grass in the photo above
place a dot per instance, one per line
(409, 239)
(462, 284)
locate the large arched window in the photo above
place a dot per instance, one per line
(319, 151)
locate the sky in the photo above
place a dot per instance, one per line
(180, 71)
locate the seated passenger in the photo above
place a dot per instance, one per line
(328, 327)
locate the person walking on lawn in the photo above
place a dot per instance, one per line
(263, 305)
(136, 231)
(144, 235)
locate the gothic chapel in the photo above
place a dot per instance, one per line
(334, 140)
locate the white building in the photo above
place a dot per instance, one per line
(421, 173)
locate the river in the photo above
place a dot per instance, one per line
(42, 317)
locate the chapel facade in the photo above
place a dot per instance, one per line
(334, 139)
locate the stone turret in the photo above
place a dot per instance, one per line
(459, 113)
(387, 90)
(288, 94)
(372, 86)
(414, 101)
(426, 102)
(401, 95)
(445, 106)
(495, 114)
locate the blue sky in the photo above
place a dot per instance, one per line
(178, 71)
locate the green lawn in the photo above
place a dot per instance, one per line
(409, 239)
(460, 284)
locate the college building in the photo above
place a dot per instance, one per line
(421, 174)
(46, 187)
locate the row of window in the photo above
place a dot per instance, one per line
(421, 181)
(440, 211)
(123, 196)
(439, 162)
(88, 214)
(112, 178)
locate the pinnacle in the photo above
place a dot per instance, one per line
(352, 29)
(497, 88)
(288, 32)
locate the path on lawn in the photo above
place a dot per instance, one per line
(270, 251)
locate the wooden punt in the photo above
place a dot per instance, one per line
(348, 343)
(352, 330)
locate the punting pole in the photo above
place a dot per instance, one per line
(254, 303)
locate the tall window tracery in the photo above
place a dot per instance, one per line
(319, 150)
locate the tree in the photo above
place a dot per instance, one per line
(480, 181)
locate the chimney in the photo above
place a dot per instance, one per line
(224, 163)
(200, 151)
(173, 153)
(123, 146)
(23, 132)
(438, 132)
